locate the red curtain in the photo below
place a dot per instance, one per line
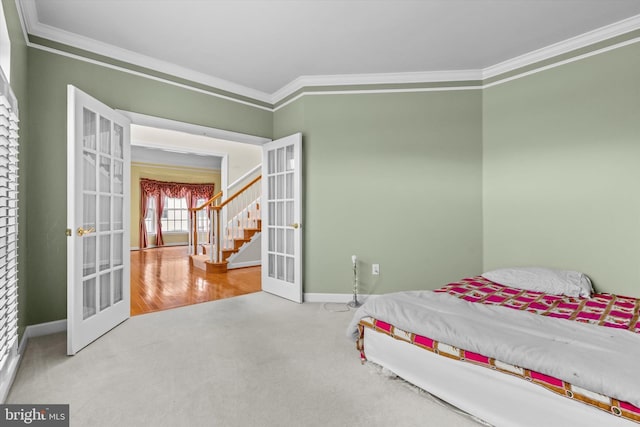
(144, 210)
(161, 189)
(159, 208)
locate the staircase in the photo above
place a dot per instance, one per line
(228, 239)
(237, 244)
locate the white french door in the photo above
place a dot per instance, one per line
(282, 217)
(98, 293)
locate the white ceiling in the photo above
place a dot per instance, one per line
(257, 47)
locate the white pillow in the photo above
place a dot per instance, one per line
(548, 280)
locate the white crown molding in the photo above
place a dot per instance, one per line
(32, 25)
(566, 46)
(36, 28)
(375, 79)
(374, 91)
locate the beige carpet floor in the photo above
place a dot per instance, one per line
(253, 360)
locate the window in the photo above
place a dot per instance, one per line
(202, 217)
(150, 219)
(8, 222)
(174, 215)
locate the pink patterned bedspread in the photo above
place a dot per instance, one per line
(613, 311)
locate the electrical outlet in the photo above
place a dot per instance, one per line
(375, 269)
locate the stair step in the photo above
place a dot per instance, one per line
(237, 243)
(249, 232)
(216, 267)
(198, 261)
(226, 253)
(202, 262)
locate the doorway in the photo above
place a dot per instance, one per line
(162, 277)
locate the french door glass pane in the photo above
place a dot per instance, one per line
(289, 213)
(118, 176)
(88, 298)
(289, 244)
(290, 270)
(289, 186)
(105, 135)
(89, 206)
(280, 160)
(280, 213)
(280, 268)
(89, 255)
(105, 213)
(289, 158)
(89, 129)
(279, 187)
(89, 171)
(118, 133)
(279, 240)
(272, 241)
(117, 213)
(272, 213)
(105, 290)
(272, 186)
(271, 167)
(272, 265)
(105, 174)
(117, 285)
(117, 249)
(105, 252)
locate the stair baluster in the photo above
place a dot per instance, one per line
(224, 240)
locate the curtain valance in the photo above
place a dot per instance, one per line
(158, 190)
(176, 190)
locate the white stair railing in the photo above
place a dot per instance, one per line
(200, 224)
(244, 210)
(244, 213)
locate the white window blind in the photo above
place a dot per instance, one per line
(8, 220)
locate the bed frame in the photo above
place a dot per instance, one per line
(496, 398)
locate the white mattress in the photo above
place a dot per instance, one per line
(497, 398)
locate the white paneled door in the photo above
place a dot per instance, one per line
(98, 293)
(282, 217)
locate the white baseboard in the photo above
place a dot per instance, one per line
(40, 329)
(137, 248)
(9, 371)
(244, 264)
(321, 297)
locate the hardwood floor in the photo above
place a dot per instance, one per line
(161, 278)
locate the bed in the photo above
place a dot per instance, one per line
(512, 356)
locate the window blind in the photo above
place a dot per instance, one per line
(8, 220)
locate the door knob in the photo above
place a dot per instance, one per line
(83, 231)
(295, 225)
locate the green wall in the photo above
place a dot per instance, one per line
(393, 178)
(19, 87)
(561, 175)
(48, 77)
(432, 185)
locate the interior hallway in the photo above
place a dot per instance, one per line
(161, 278)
